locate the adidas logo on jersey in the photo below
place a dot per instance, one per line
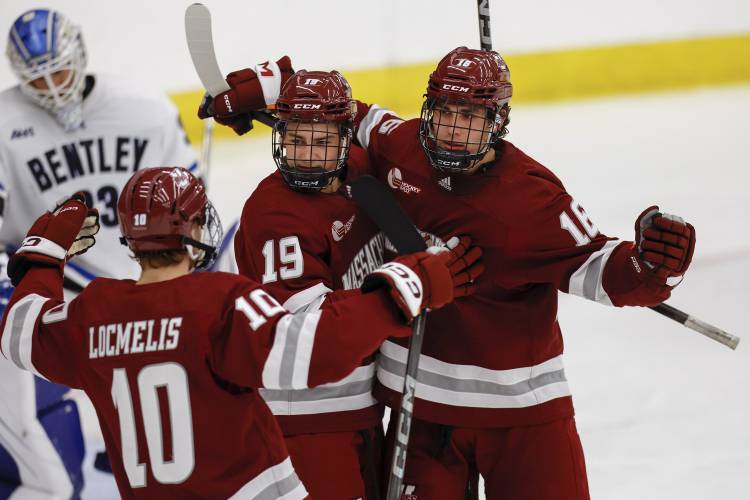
(20, 133)
(339, 229)
(396, 182)
(445, 183)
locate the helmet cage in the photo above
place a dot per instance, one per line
(480, 139)
(311, 178)
(204, 252)
(62, 49)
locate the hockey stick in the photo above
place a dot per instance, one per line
(697, 325)
(380, 205)
(710, 331)
(201, 46)
(206, 143)
(485, 36)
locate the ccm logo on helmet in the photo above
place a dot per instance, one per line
(456, 88)
(312, 81)
(227, 103)
(307, 106)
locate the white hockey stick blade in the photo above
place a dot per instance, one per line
(201, 46)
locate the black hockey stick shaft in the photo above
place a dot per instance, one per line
(697, 325)
(380, 205)
(485, 36)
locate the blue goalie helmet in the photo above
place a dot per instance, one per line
(47, 53)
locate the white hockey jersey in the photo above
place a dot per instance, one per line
(125, 129)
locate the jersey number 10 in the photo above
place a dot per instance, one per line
(173, 378)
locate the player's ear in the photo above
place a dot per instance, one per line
(197, 231)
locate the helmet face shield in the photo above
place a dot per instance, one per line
(456, 134)
(311, 154)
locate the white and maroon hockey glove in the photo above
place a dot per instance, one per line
(56, 236)
(654, 264)
(428, 279)
(250, 90)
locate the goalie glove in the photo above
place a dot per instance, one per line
(431, 279)
(249, 91)
(55, 237)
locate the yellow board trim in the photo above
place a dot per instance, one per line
(548, 76)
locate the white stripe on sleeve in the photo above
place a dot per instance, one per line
(371, 119)
(586, 281)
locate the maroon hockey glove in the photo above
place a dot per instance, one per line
(241, 124)
(665, 243)
(66, 231)
(643, 273)
(250, 90)
(464, 265)
(429, 279)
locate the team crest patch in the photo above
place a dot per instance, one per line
(396, 181)
(339, 229)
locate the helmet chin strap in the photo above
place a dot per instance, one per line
(199, 252)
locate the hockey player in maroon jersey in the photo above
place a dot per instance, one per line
(172, 361)
(495, 399)
(302, 239)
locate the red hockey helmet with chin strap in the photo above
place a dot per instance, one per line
(307, 99)
(158, 210)
(465, 77)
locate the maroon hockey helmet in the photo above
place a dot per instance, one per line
(473, 76)
(307, 99)
(158, 208)
(323, 96)
(465, 77)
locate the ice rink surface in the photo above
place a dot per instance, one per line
(663, 412)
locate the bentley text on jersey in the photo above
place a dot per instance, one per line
(86, 156)
(134, 337)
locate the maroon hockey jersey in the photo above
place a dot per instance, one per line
(302, 246)
(172, 367)
(493, 359)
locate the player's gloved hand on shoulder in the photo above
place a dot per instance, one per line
(464, 265)
(250, 90)
(428, 279)
(654, 264)
(56, 236)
